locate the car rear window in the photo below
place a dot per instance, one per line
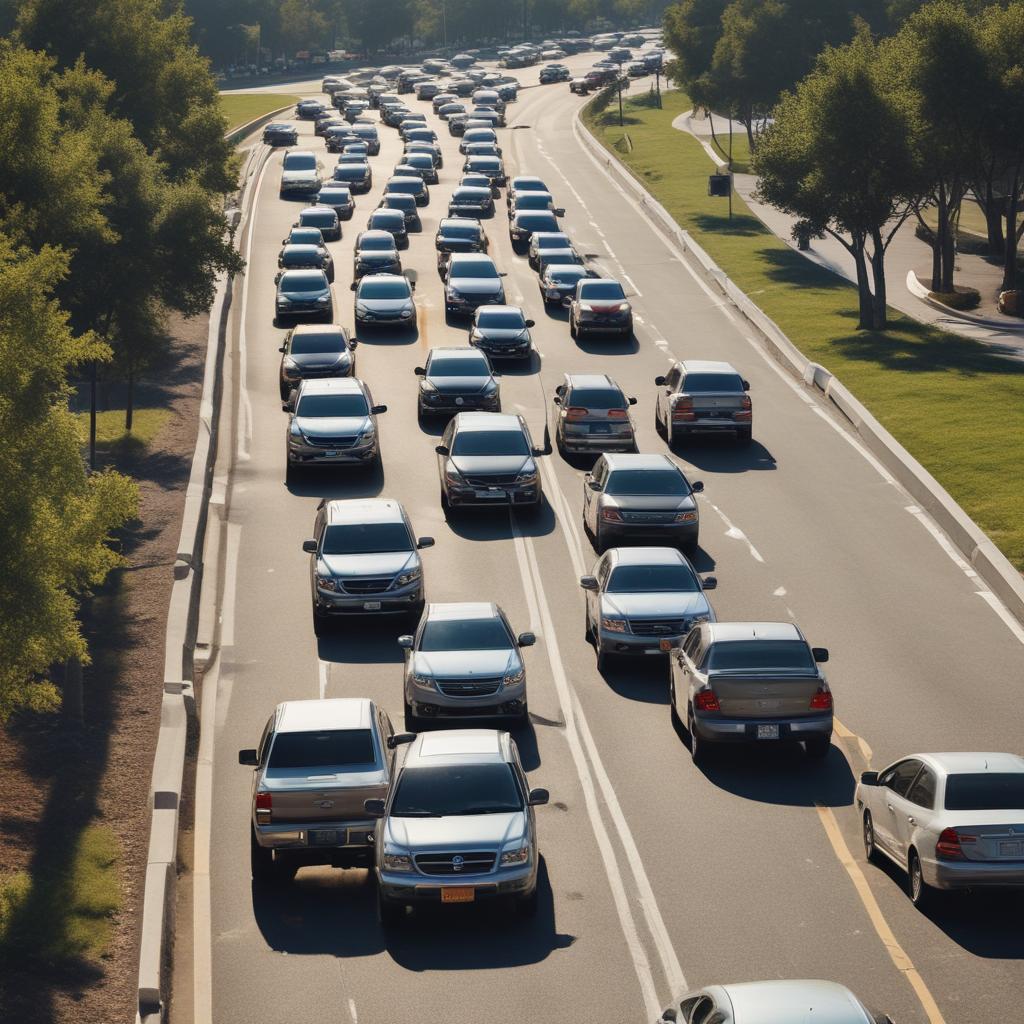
(533, 201)
(306, 236)
(985, 791)
(324, 216)
(372, 244)
(760, 655)
(409, 186)
(321, 749)
(456, 789)
(365, 538)
(667, 482)
(703, 383)
(459, 229)
(598, 398)
(399, 201)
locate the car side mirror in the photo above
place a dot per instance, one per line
(697, 486)
(531, 323)
(353, 286)
(820, 654)
(442, 449)
(420, 371)
(425, 542)
(378, 409)
(557, 399)
(746, 385)
(538, 797)
(538, 452)
(660, 381)
(559, 211)
(866, 778)
(280, 348)
(353, 342)
(286, 407)
(593, 485)
(406, 642)
(526, 639)
(588, 582)
(399, 738)
(248, 757)
(669, 1015)
(632, 401)
(309, 546)
(375, 808)
(278, 276)
(709, 583)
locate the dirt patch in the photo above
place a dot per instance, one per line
(58, 775)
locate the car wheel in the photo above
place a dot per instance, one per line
(745, 435)
(869, 837)
(410, 719)
(446, 505)
(588, 631)
(698, 746)
(817, 747)
(921, 893)
(677, 722)
(573, 330)
(261, 860)
(526, 906)
(600, 544)
(388, 911)
(320, 623)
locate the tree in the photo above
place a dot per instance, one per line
(838, 157)
(55, 520)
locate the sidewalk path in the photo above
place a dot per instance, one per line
(906, 253)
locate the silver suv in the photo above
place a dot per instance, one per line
(592, 414)
(363, 561)
(458, 826)
(701, 396)
(464, 661)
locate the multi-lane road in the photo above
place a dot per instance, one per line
(656, 875)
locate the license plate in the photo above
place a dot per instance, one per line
(600, 428)
(324, 837)
(371, 606)
(1009, 849)
(767, 732)
(458, 894)
(492, 492)
(653, 650)
(330, 455)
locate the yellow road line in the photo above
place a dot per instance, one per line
(896, 952)
(848, 734)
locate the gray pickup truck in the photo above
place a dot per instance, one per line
(318, 761)
(750, 682)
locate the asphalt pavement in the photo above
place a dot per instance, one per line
(655, 875)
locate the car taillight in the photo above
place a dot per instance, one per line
(611, 515)
(264, 806)
(745, 412)
(616, 414)
(949, 845)
(705, 700)
(682, 409)
(576, 412)
(822, 700)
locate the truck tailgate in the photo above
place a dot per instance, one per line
(773, 696)
(324, 797)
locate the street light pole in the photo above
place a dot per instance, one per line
(444, 22)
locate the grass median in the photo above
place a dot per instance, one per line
(246, 107)
(955, 405)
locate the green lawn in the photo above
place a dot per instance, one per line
(740, 150)
(111, 435)
(242, 109)
(955, 405)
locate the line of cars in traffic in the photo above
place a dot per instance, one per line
(949, 820)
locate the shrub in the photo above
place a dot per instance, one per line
(960, 298)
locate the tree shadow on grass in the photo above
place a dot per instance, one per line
(741, 225)
(787, 266)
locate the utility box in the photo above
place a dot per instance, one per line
(720, 185)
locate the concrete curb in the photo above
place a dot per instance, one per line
(178, 702)
(986, 559)
(923, 293)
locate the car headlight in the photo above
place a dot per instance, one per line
(366, 436)
(686, 517)
(624, 307)
(420, 680)
(427, 388)
(406, 314)
(491, 388)
(392, 861)
(409, 577)
(454, 293)
(325, 582)
(696, 620)
(361, 309)
(291, 368)
(514, 678)
(517, 855)
(323, 300)
(283, 300)
(529, 477)
(613, 625)
(453, 477)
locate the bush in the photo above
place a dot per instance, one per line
(1011, 303)
(960, 298)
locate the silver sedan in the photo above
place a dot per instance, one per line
(951, 821)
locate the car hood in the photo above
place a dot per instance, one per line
(383, 563)
(477, 465)
(386, 305)
(651, 502)
(653, 606)
(501, 334)
(475, 286)
(294, 175)
(462, 831)
(332, 426)
(465, 664)
(320, 360)
(303, 296)
(448, 244)
(459, 385)
(376, 255)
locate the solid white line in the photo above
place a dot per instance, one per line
(1003, 612)
(632, 284)
(352, 1011)
(943, 541)
(735, 533)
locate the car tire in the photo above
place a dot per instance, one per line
(446, 505)
(922, 895)
(321, 624)
(261, 860)
(745, 435)
(677, 722)
(698, 746)
(600, 544)
(573, 330)
(868, 833)
(602, 658)
(409, 718)
(817, 747)
(588, 631)
(389, 912)
(526, 906)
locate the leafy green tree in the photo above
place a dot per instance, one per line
(838, 156)
(55, 520)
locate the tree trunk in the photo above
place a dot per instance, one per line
(129, 408)
(949, 247)
(864, 297)
(878, 300)
(994, 209)
(1010, 244)
(938, 246)
(92, 416)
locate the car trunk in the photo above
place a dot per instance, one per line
(307, 798)
(716, 404)
(769, 696)
(1002, 839)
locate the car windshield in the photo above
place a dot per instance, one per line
(537, 222)
(471, 195)
(299, 162)
(326, 748)
(456, 789)
(365, 538)
(397, 289)
(761, 655)
(464, 635)
(344, 172)
(453, 229)
(567, 276)
(419, 160)
(502, 320)
(389, 220)
(317, 344)
(533, 201)
(303, 283)
(598, 398)
(985, 791)
(305, 236)
(607, 291)
(667, 482)
(376, 244)
(399, 201)
(702, 383)
(334, 195)
(324, 216)
(324, 406)
(525, 185)
(458, 366)
(644, 579)
(490, 442)
(408, 186)
(482, 269)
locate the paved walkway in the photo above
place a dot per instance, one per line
(906, 254)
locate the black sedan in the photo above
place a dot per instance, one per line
(312, 350)
(279, 133)
(306, 257)
(503, 332)
(375, 253)
(454, 380)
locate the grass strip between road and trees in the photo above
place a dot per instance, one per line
(245, 107)
(956, 405)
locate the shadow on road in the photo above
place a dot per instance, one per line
(603, 346)
(364, 640)
(486, 524)
(643, 678)
(336, 482)
(723, 455)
